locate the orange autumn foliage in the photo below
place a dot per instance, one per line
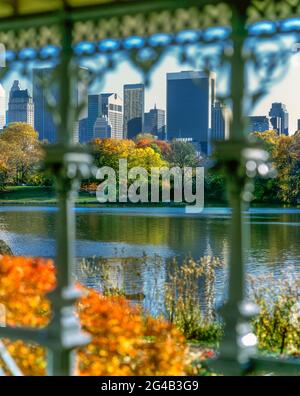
(163, 146)
(119, 331)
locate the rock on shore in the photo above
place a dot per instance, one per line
(5, 250)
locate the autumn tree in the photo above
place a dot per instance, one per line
(146, 158)
(109, 151)
(160, 146)
(144, 136)
(284, 154)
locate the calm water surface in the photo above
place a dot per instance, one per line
(122, 234)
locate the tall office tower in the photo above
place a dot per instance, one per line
(111, 107)
(83, 123)
(298, 125)
(259, 124)
(43, 120)
(20, 106)
(93, 114)
(14, 87)
(2, 108)
(219, 122)
(155, 122)
(134, 103)
(190, 95)
(102, 128)
(279, 111)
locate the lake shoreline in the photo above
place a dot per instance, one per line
(156, 211)
(45, 196)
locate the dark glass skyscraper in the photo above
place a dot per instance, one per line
(83, 123)
(279, 118)
(134, 103)
(43, 120)
(94, 111)
(190, 95)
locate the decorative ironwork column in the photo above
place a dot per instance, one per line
(234, 155)
(158, 25)
(68, 165)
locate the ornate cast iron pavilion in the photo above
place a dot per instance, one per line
(66, 33)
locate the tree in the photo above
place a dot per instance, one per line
(109, 151)
(4, 164)
(285, 156)
(21, 152)
(146, 158)
(182, 154)
(144, 136)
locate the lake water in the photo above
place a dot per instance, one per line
(119, 234)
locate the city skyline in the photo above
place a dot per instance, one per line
(108, 111)
(284, 91)
(156, 94)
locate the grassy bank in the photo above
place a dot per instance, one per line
(35, 195)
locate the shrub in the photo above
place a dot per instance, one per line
(278, 324)
(195, 318)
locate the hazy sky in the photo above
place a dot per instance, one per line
(286, 91)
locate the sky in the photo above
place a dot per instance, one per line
(286, 91)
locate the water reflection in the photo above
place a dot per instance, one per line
(275, 242)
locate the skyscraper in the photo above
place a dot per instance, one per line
(190, 95)
(259, 124)
(20, 105)
(155, 122)
(298, 125)
(83, 128)
(279, 118)
(44, 123)
(108, 105)
(220, 127)
(2, 108)
(111, 107)
(134, 103)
